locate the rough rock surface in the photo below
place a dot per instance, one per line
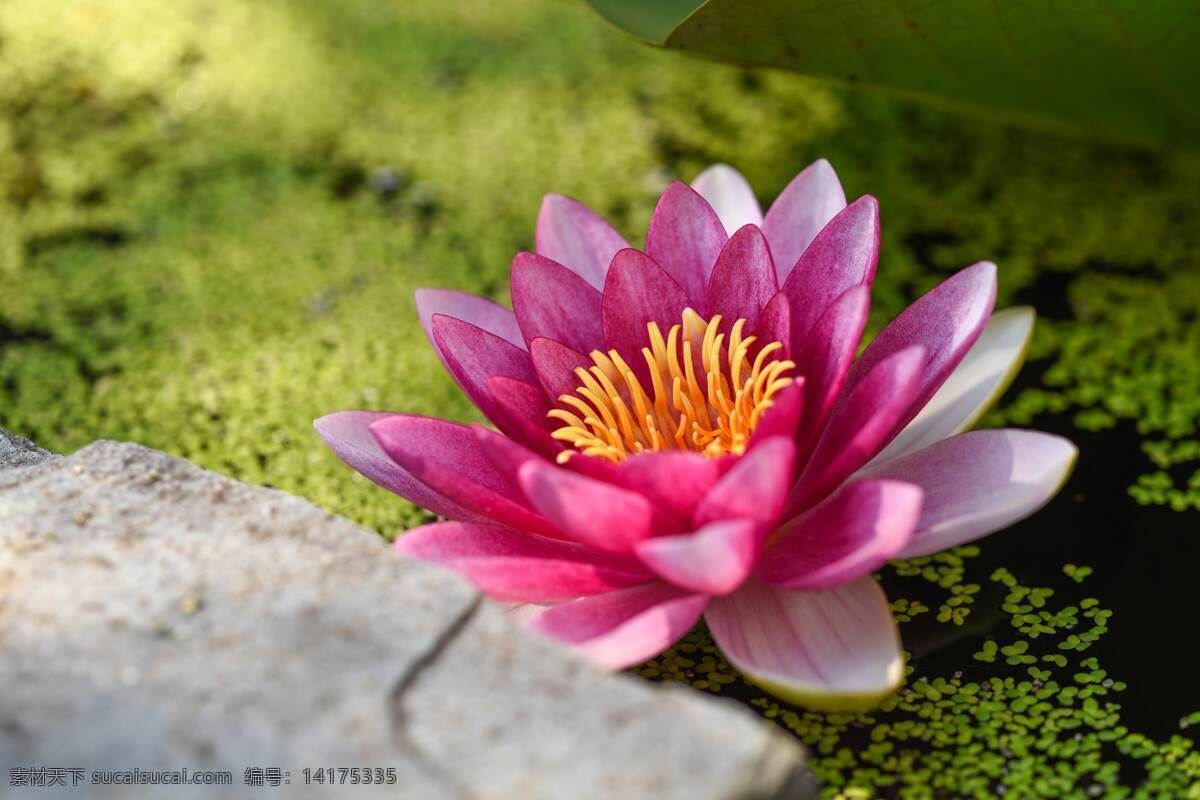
(154, 615)
(17, 451)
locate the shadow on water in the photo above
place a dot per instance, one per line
(1147, 571)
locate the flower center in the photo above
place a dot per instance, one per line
(707, 396)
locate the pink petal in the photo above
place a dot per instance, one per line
(555, 364)
(724, 188)
(444, 455)
(713, 560)
(509, 456)
(800, 212)
(551, 301)
(829, 650)
(842, 256)
(979, 482)
(577, 237)
(775, 325)
(589, 511)
(522, 414)
(743, 280)
(472, 356)
(860, 425)
(625, 627)
(946, 321)
(478, 311)
(347, 434)
(783, 417)
(825, 360)
(637, 293)
(685, 238)
(506, 455)
(510, 565)
(848, 536)
(755, 488)
(974, 385)
(675, 480)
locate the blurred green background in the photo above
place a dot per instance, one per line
(213, 216)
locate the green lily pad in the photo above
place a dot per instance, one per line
(652, 21)
(1117, 68)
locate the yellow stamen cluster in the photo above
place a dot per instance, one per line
(712, 413)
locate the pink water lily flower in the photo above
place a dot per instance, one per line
(686, 431)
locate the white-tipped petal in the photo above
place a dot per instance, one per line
(730, 196)
(974, 386)
(979, 482)
(831, 650)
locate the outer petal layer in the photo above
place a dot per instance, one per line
(348, 434)
(979, 482)
(511, 565)
(577, 237)
(946, 322)
(847, 537)
(446, 456)
(472, 356)
(478, 311)
(626, 627)
(730, 196)
(976, 383)
(831, 650)
(800, 212)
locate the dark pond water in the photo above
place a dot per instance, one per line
(1146, 562)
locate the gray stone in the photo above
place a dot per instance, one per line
(17, 451)
(156, 616)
